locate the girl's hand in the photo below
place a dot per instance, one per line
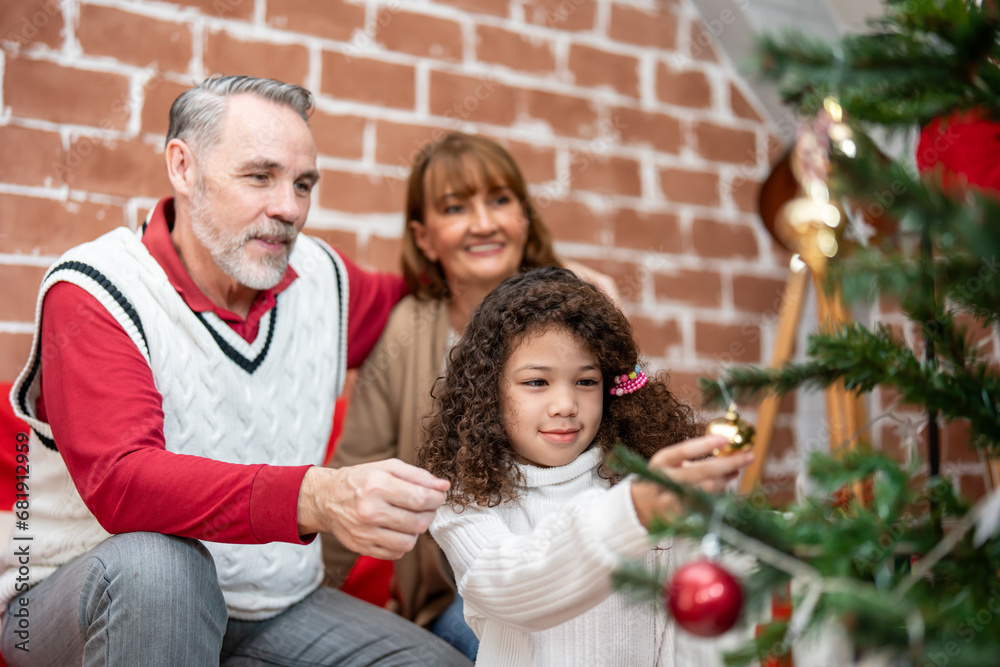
(685, 462)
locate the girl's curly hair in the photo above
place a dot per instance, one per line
(467, 443)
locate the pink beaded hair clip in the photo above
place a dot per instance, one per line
(626, 384)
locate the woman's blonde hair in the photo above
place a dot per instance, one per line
(460, 163)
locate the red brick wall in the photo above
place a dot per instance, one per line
(642, 143)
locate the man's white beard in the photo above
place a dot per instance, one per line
(228, 249)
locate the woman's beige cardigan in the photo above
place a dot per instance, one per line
(385, 419)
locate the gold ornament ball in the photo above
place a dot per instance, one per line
(738, 433)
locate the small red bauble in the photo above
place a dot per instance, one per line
(704, 598)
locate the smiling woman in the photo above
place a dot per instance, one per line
(470, 225)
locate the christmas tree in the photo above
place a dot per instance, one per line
(886, 550)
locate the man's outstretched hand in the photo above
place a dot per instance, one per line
(375, 509)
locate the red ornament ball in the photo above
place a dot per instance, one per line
(704, 598)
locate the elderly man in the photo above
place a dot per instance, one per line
(180, 394)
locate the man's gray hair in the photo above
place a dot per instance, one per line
(196, 115)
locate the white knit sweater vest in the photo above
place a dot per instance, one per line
(270, 401)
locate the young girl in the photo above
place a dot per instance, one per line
(470, 224)
(536, 523)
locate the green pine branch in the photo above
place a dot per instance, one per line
(864, 360)
(861, 551)
(921, 60)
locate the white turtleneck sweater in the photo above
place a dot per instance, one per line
(535, 573)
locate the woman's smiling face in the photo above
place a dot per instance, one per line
(477, 233)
